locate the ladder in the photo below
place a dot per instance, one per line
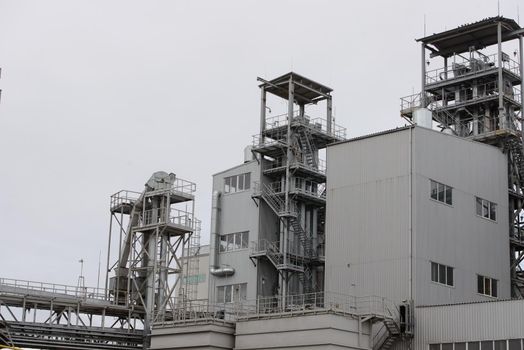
(308, 150)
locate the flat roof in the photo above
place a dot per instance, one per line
(306, 91)
(478, 34)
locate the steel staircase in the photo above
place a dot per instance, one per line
(391, 332)
(308, 150)
(274, 255)
(272, 199)
(515, 147)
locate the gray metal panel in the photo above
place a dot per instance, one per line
(469, 322)
(367, 225)
(238, 213)
(454, 235)
(368, 216)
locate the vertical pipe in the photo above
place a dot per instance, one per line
(423, 78)
(521, 50)
(291, 101)
(329, 114)
(106, 296)
(262, 113)
(501, 116)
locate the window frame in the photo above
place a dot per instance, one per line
(448, 271)
(482, 205)
(487, 281)
(231, 293)
(228, 242)
(438, 189)
(237, 183)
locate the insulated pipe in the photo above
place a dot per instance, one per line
(214, 266)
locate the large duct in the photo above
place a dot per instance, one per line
(214, 265)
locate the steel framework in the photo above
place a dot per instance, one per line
(479, 96)
(293, 180)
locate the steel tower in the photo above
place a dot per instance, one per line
(155, 229)
(292, 182)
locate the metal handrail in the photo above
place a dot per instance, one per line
(124, 197)
(193, 311)
(470, 66)
(175, 216)
(315, 124)
(61, 289)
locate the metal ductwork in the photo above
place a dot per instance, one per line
(214, 265)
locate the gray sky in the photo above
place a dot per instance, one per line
(97, 95)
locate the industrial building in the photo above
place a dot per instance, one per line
(410, 238)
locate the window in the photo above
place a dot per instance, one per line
(487, 286)
(234, 241)
(237, 183)
(486, 208)
(441, 274)
(442, 193)
(232, 293)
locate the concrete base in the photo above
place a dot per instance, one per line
(209, 335)
(307, 332)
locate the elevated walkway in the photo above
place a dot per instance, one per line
(53, 316)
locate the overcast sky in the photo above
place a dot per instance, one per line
(98, 95)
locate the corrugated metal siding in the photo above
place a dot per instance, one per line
(368, 218)
(455, 235)
(368, 193)
(469, 322)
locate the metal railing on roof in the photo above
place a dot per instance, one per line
(314, 124)
(81, 292)
(462, 67)
(236, 310)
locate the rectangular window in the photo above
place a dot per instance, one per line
(442, 274)
(234, 241)
(460, 346)
(514, 344)
(232, 293)
(487, 286)
(486, 208)
(500, 345)
(237, 183)
(440, 192)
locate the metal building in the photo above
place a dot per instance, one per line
(476, 93)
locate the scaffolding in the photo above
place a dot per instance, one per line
(478, 95)
(292, 182)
